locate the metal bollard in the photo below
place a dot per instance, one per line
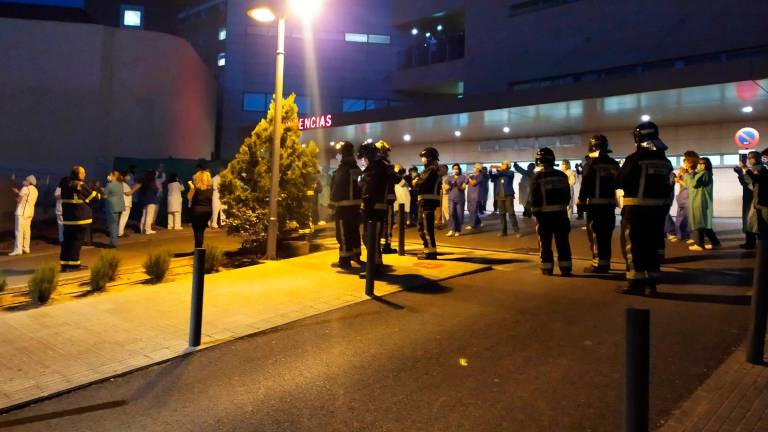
(756, 347)
(196, 313)
(637, 374)
(401, 229)
(371, 245)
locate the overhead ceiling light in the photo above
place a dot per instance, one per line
(747, 109)
(439, 27)
(457, 133)
(407, 137)
(369, 140)
(262, 14)
(506, 129)
(645, 117)
(333, 143)
(414, 31)
(428, 34)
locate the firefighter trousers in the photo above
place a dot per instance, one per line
(554, 224)
(74, 235)
(427, 226)
(601, 221)
(641, 228)
(347, 220)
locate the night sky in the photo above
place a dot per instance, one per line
(66, 3)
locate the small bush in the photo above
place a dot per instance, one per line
(104, 270)
(42, 284)
(156, 265)
(214, 257)
(3, 282)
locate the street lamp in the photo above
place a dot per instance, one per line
(264, 13)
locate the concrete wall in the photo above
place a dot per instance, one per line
(80, 93)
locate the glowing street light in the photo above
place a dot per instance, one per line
(305, 9)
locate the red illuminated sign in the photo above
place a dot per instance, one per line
(315, 122)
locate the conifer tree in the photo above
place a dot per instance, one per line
(245, 183)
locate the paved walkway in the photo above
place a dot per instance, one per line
(734, 398)
(61, 347)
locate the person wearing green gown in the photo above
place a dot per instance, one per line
(698, 180)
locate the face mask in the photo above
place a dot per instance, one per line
(764, 159)
(338, 157)
(362, 163)
(424, 160)
(456, 173)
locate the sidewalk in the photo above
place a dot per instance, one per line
(61, 347)
(734, 398)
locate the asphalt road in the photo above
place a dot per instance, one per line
(507, 349)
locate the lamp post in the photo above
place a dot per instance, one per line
(263, 13)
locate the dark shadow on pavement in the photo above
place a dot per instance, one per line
(736, 300)
(484, 260)
(415, 283)
(722, 277)
(64, 413)
(387, 303)
(706, 256)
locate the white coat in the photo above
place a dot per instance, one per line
(175, 190)
(403, 196)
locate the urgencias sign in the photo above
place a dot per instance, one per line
(316, 122)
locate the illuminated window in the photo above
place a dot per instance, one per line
(731, 159)
(356, 37)
(353, 105)
(256, 102)
(132, 16)
(222, 33)
(222, 59)
(379, 39)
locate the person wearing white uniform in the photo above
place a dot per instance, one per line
(402, 192)
(566, 168)
(128, 197)
(159, 182)
(59, 217)
(175, 188)
(216, 204)
(25, 211)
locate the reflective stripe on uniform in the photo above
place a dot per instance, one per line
(547, 266)
(69, 262)
(380, 206)
(81, 222)
(632, 201)
(91, 196)
(430, 250)
(392, 196)
(429, 197)
(347, 203)
(72, 201)
(565, 264)
(550, 208)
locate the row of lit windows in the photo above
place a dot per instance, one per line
(367, 38)
(259, 102)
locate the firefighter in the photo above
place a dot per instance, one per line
(374, 185)
(346, 201)
(598, 197)
(427, 184)
(644, 177)
(77, 218)
(389, 220)
(550, 196)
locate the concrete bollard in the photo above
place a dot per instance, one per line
(637, 373)
(756, 340)
(198, 285)
(401, 229)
